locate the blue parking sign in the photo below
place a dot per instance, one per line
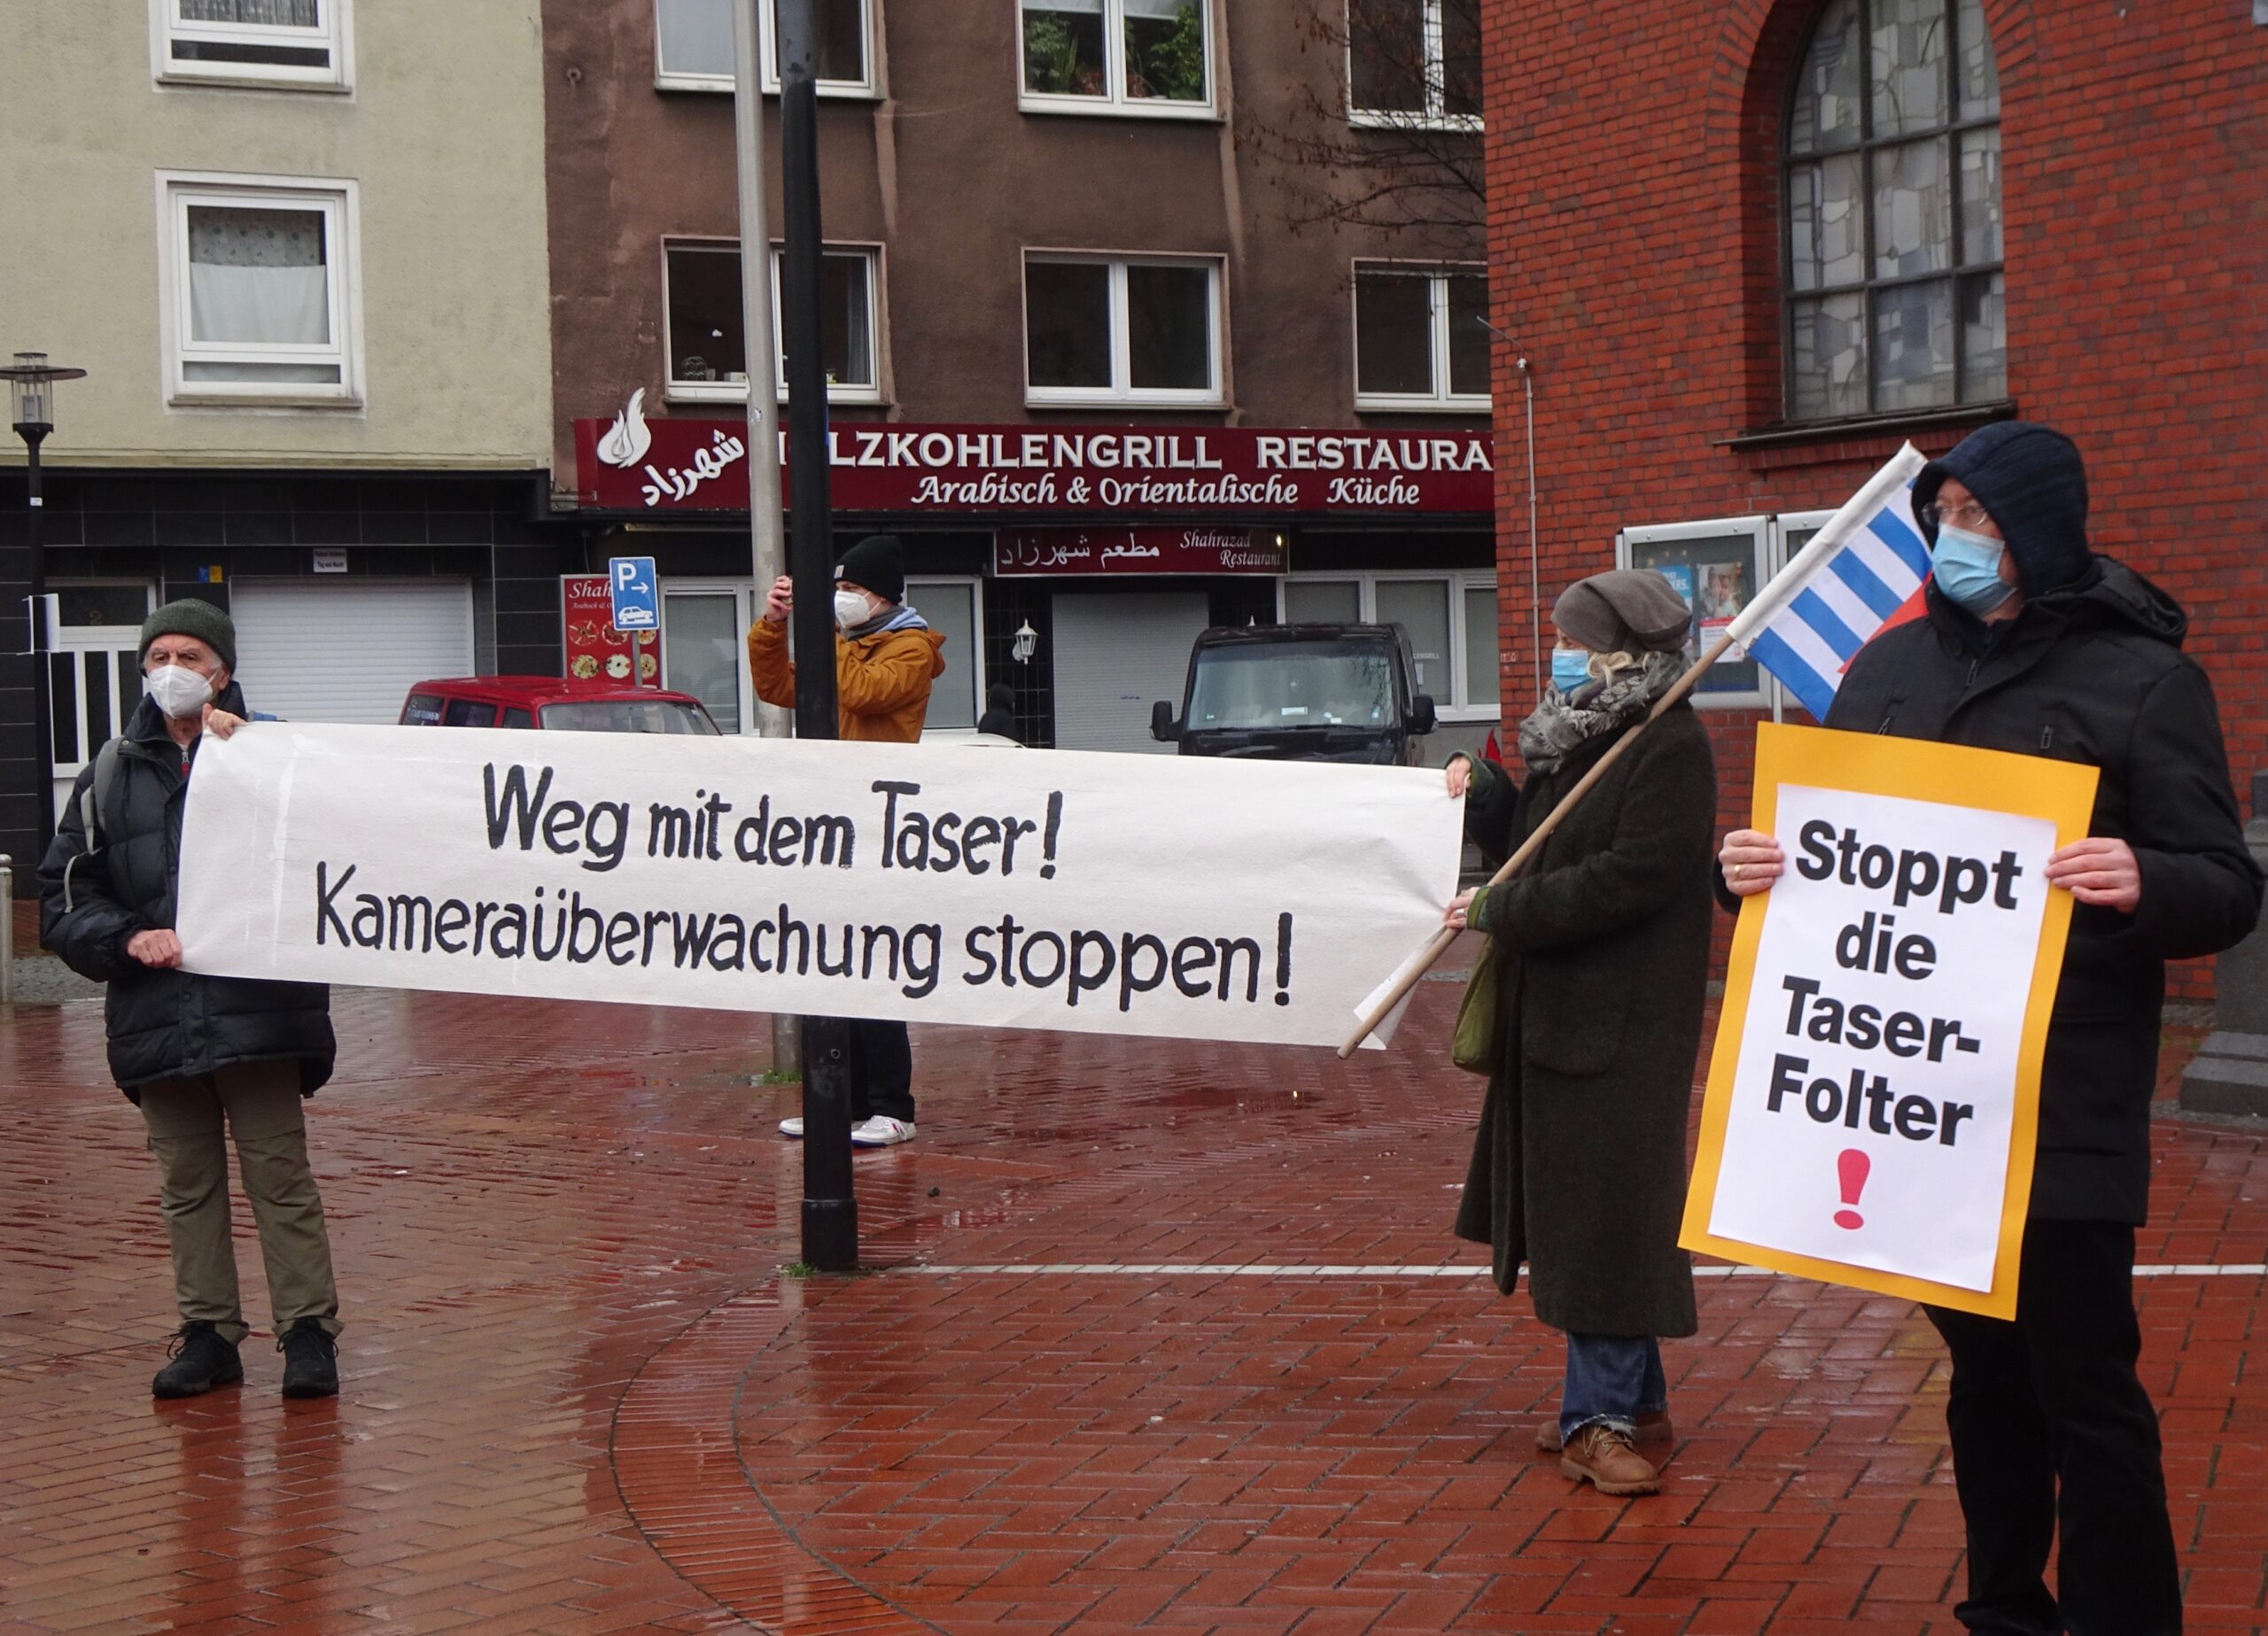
(637, 594)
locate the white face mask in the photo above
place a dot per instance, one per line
(850, 610)
(179, 691)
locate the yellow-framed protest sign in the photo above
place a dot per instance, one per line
(1873, 1102)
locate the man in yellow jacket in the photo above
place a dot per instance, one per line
(886, 660)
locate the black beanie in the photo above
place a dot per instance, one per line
(877, 563)
(191, 618)
(2033, 485)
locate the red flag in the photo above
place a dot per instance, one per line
(1489, 752)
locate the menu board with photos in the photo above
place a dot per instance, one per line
(595, 651)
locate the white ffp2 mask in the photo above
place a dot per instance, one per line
(850, 610)
(179, 691)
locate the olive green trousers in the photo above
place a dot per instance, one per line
(192, 1122)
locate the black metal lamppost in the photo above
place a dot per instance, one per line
(31, 404)
(830, 1217)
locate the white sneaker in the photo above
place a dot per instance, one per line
(880, 1131)
(792, 1127)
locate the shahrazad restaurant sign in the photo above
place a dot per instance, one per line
(672, 464)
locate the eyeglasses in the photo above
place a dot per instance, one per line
(1967, 516)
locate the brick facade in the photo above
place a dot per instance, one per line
(1634, 226)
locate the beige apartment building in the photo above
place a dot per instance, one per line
(299, 247)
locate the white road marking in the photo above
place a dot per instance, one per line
(1278, 1269)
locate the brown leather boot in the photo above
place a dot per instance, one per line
(1603, 1456)
(1654, 1432)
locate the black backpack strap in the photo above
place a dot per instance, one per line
(95, 800)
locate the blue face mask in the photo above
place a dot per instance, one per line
(1967, 568)
(1571, 668)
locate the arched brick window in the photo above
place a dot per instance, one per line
(1892, 213)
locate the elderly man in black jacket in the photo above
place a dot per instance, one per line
(197, 1054)
(2034, 643)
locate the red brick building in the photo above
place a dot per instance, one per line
(1748, 248)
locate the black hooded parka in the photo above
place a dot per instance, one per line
(93, 898)
(2090, 670)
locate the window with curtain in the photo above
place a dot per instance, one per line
(260, 303)
(1117, 56)
(1894, 288)
(283, 42)
(694, 46)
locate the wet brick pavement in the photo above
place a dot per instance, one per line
(580, 1397)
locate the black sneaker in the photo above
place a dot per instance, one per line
(201, 1360)
(310, 1361)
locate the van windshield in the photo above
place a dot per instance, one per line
(629, 716)
(1304, 685)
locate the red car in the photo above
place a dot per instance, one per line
(553, 702)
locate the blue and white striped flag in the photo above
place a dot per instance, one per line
(1862, 571)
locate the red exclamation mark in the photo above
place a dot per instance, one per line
(1850, 1168)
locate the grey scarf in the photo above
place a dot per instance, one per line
(1563, 724)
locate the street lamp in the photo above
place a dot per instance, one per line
(31, 405)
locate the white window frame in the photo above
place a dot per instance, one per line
(334, 34)
(749, 605)
(1117, 103)
(1442, 400)
(1435, 115)
(767, 58)
(338, 200)
(736, 392)
(976, 582)
(1122, 390)
(1458, 706)
(746, 606)
(1764, 554)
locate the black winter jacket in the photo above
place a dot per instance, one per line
(2090, 673)
(163, 1023)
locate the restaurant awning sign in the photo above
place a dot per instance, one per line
(632, 464)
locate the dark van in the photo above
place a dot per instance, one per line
(1299, 692)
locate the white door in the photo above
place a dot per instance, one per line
(94, 672)
(347, 650)
(1114, 656)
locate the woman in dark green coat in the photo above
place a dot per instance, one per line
(1603, 945)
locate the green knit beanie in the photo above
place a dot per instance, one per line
(191, 617)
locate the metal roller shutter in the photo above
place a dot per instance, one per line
(1113, 656)
(347, 651)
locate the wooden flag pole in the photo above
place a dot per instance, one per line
(1528, 847)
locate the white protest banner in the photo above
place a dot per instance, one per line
(1207, 899)
(1873, 1097)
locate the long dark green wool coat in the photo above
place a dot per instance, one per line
(1579, 1167)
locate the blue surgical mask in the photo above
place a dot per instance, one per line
(1571, 668)
(1967, 568)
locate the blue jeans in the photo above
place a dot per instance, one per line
(1614, 1378)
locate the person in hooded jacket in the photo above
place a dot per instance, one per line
(205, 1059)
(886, 660)
(2034, 643)
(999, 718)
(1602, 944)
